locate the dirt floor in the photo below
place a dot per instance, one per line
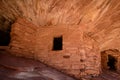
(18, 68)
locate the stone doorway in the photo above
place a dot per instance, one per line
(111, 62)
(4, 38)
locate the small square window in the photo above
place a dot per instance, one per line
(57, 43)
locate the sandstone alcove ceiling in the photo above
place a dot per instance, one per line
(101, 17)
(86, 26)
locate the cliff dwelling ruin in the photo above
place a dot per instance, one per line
(60, 39)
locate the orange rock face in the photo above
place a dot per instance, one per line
(102, 17)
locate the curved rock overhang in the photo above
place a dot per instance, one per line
(101, 16)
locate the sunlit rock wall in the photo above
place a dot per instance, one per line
(80, 54)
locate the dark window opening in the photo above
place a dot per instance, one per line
(57, 43)
(4, 38)
(111, 62)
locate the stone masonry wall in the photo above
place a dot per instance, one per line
(23, 37)
(79, 57)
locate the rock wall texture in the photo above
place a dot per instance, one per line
(23, 38)
(101, 16)
(79, 57)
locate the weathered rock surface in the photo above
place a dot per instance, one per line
(98, 22)
(27, 69)
(102, 17)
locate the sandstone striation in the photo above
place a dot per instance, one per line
(102, 16)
